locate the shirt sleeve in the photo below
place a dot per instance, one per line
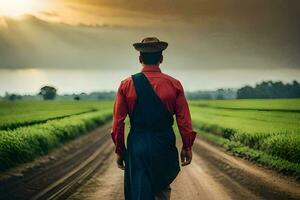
(183, 119)
(120, 111)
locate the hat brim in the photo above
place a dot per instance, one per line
(151, 46)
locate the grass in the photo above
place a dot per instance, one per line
(266, 131)
(269, 134)
(257, 104)
(26, 142)
(261, 157)
(24, 113)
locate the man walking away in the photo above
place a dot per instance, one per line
(151, 98)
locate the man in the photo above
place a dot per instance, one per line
(151, 98)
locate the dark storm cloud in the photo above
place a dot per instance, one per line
(34, 43)
(249, 29)
(196, 9)
(205, 34)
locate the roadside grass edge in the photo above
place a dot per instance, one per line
(283, 166)
(25, 143)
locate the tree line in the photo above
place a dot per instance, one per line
(263, 90)
(50, 93)
(270, 89)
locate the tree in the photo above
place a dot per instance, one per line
(48, 92)
(220, 96)
(13, 97)
(245, 92)
(76, 98)
(270, 89)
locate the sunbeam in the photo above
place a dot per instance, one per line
(16, 8)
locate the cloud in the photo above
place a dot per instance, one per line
(202, 34)
(192, 10)
(212, 43)
(34, 43)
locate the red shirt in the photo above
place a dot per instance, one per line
(170, 92)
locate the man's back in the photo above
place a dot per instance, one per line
(151, 98)
(165, 86)
(172, 96)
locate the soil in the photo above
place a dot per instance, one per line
(213, 174)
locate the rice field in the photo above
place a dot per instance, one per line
(270, 127)
(23, 113)
(266, 131)
(32, 128)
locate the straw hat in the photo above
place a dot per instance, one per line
(150, 44)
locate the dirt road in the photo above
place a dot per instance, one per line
(86, 169)
(213, 175)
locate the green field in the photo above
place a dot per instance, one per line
(257, 104)
(32, 128)
(23, 113)
(267, 131)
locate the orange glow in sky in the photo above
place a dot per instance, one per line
(15, 8)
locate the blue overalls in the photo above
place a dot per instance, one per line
(151, 159)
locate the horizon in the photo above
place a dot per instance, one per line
(212, 44)
(29, 81)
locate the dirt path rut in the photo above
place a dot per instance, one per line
(212, 175)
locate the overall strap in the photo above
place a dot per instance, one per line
(150, 109)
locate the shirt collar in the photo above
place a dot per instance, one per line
(151, 68)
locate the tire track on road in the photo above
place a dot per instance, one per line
(212, 175)
(106, 184)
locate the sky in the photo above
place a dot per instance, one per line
(86, 45)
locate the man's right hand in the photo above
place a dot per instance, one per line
(186, 157)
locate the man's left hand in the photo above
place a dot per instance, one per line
(120, 162)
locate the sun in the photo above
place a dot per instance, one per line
(15, 8)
